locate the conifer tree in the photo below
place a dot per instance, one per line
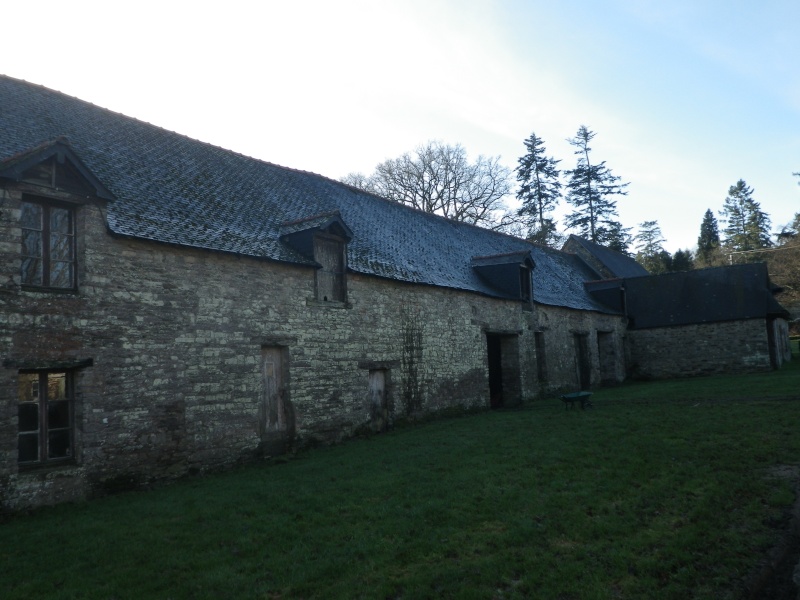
(682, 261)
(590, 188)
(615, 236)
(650, 251)
(708, 242)
(790, 231)
(539, 191)
(747, 226)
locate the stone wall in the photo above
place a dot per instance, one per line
(171, 343)
(605, 337)
(703, 349)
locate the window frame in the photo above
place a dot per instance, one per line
(44, 429)
(47, 206)
(338, 277)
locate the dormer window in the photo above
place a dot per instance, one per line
(48, 244)
(321, 241)
(329, 252)
(506, 275)
(55, 184)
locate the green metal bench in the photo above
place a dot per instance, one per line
(571, 399)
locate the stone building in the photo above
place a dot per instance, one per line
(716, 320)
(170, 307)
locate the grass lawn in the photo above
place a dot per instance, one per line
(662, 490)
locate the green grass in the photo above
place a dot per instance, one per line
(663, 490)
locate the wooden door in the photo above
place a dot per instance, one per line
(272, 375)
(329, 253)
(379, 409)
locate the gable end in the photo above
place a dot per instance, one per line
(54, 165)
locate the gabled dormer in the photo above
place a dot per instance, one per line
(323, 239)
(50, 185)
(300, 234)
(508, 274)
(55, 169)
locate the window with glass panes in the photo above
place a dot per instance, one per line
(45, 417)
(48, 245)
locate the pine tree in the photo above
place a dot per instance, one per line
(708, 242)
(790, 231)
(650, 251)
(590, 188)
(615, 236)
(539, 191)
(747, 225)
(682, 261)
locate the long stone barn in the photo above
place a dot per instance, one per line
(170, 307)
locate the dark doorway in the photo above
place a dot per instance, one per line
(493, 347)
(583, 364)
(505, 386)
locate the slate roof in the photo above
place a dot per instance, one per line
(702, 296)
(615, 262)
(14, 167)
(173, 189)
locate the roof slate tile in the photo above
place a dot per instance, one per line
(170, 188)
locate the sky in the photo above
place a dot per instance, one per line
(685, 97)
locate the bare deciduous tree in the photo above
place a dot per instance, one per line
(438, 178)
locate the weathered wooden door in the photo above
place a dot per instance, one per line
(379, 409)
(274, 410)
(275, 414)
(329, 253)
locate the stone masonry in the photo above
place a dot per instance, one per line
(173, 340)
(700, 349)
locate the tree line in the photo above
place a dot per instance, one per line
(439, 178)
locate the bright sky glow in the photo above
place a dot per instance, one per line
(686, 97)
